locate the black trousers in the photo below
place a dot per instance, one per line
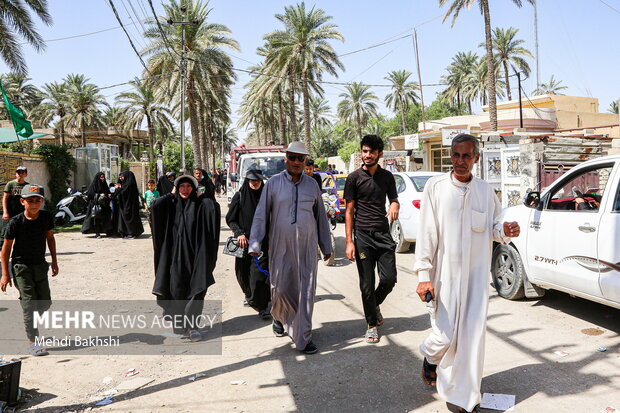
(254, 284)
(375, 249)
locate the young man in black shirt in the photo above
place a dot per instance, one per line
(369, 242)
(26, 235)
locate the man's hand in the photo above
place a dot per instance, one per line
(242, 241)
(326, 257)
(4, 281)
(54, 269)
(392, 214)
(350, 251)
(512, 229)
(423, 288)
(5, 216)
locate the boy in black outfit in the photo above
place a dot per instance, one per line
(369, 242)
(26, 236)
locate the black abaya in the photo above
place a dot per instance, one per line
(254, 284)
(186, 236)
(102, 223)
(127, 199)
(164, 185)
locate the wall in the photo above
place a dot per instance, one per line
(141, 171)
(37, 168)
(340, 165)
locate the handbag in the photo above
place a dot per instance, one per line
(231, 248)
(96, 211)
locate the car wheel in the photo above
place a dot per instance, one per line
(508, 272)
(396, 230)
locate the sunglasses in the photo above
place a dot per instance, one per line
(299, 158)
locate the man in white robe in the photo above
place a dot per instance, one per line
(459, 220)
(291, 212)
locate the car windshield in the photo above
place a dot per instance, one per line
(419, 182)
(328, 181)
(269, 166)
(340, 183)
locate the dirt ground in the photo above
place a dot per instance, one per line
(258, 372)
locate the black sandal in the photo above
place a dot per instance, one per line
(427, 369)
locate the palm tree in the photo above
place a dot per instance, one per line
(462, 66)
(84, 101)
(358, 105)
(508, 50)
(55, 104)
(476, 86)
(320, 112)
(613, 107)
(15, 23)
(403, 93)
(209, 70)
(303, 50)
(550, 88)
(455, 8)
(140, 105)
(20, 92)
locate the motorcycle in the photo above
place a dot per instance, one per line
(71, 209)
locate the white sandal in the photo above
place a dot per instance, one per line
(37, 350)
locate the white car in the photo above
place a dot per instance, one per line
(570, 237)
(409, 186)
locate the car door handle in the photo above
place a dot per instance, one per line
(586, 228)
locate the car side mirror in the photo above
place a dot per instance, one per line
(532, 199)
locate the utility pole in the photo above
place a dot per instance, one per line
(536, 43)
(182, 23)
(520, 105)
(417, 57)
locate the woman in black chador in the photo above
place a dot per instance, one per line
(128, 201)
(186, 234)
(254, 282)
(99, 213)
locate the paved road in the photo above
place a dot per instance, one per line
(347, 375)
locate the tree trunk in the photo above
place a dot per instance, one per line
(458, 102)
(272, 124)
(281, 119)
(257, 131)
(359, 123)
(402, 115)
(61, 128)
(507, 81)
(264, 125)
(83, 136)
(193, 118)
(490, 65)
(202, 142)
(293, 115)
(150, 132)
(306, 93)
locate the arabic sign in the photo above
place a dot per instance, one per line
(412, 142)
(448, 134)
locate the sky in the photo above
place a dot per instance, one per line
(577, 42)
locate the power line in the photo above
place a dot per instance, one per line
(128, 37)
(161, 30)
(611, 7)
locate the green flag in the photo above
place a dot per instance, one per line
(22, 127)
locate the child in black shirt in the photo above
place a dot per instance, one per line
(26, 235)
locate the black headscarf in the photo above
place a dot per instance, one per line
(164, 185)
(97, 186)
(242, 208)
(102, 222)
(128, 201)
(207, 183)
(186, 236)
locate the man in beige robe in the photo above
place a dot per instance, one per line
(458, 223)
